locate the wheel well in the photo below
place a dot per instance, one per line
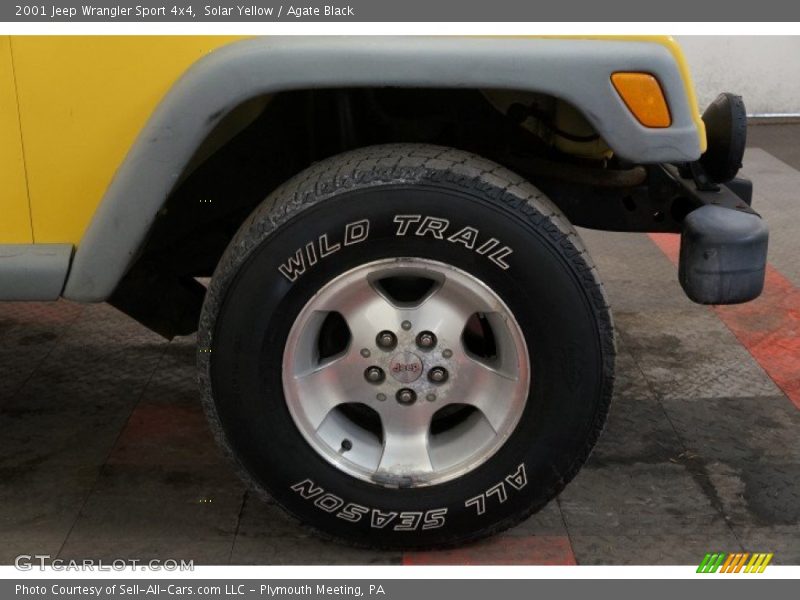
(265, 141)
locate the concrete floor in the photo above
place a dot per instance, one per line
(104, 450)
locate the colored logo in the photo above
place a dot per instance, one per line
(406, 367)
(738, 562)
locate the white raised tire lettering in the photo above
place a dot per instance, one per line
(498, 493)
(421, 226)
(378, 519)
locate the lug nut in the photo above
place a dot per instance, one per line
(374, 374)
(438, 375)
(386, 340)
(406, 396)
(426, 340)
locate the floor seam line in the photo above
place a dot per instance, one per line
(238, 524)
(682, 442)
(57, 342)
(566, 528)
(112, 446)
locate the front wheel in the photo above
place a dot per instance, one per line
(407, 346)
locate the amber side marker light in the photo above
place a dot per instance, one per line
(644, 97)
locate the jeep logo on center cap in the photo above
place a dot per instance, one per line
(405, 367)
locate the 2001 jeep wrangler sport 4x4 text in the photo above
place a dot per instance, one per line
(403, 341)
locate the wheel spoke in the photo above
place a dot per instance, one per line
(326, 387)
(365, 311)
(489, 390)
(446, 311)
(405, 442)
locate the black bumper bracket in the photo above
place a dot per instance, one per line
(723, 255)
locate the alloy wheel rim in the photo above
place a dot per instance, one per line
(427, 386)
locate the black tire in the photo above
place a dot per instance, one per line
(550, 285)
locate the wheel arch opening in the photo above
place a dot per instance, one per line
(264, 141)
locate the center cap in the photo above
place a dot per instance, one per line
(405, 367)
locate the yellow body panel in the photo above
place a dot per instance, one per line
(83, 101)
(15, 226)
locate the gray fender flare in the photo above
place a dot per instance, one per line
(575, 70)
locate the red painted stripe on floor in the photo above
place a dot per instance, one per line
(670, 244)
(165, 435)
(769, 327)
(530, 550)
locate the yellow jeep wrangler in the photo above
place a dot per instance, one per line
(403, 340)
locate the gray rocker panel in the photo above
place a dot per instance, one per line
(33, 271)
(575, 70)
